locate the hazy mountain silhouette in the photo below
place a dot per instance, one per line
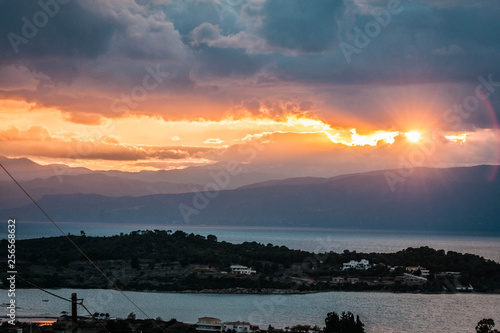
(452, 199)
(40, 180)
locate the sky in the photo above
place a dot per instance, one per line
(303, 87)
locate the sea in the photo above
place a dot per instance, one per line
(380, 311)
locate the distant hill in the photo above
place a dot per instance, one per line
(92, 183)
(55, 179)
(454, 199)
(26, 169)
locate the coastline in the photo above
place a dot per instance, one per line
(247, 291)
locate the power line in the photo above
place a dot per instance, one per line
(58, 296)
(77, 247)
(34, 285)
(98, 321)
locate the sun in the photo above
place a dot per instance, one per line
(413, 136)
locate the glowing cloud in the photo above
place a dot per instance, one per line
(355, 139)
(213, 141)
(458, 137)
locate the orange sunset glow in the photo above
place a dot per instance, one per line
(177, 99)
(135, 142)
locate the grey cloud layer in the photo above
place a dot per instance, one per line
(105, 45)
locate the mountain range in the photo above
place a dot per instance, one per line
(462, 199)
(55, 179)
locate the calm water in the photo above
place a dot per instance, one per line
(315, 240)
(381, 312)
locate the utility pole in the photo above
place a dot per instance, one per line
(74, 315)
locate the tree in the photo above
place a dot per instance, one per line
(131, 316)
(332, 323)
(343, 324)
(486, 326)
(134, 263)
(360, 326)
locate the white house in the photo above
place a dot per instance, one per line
(241, 327)
(423, 270)
(352, 280)
(465, 288)
(209, 324)
(353, 264)
(338, 280)
(410, 279)
(242, 270)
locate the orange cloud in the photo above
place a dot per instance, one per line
(132, 142)
(34, 133)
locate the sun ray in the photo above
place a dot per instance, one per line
(413, 136)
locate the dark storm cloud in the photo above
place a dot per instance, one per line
(229, 62)
(308, 26)
(90, 52)
(419, 45)
(189, 14)
(73, 31)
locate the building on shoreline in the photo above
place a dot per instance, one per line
(209, 324)
(414, 269)
(242, 270)
(241, 327)
(353, 264)
(410, 279)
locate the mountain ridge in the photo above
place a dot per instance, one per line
(453, 199)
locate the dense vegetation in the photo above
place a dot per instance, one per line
(162, 260)
(486, 326)
(344, 323)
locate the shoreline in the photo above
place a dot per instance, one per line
(245, 291)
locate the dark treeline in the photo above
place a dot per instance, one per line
(162, 260)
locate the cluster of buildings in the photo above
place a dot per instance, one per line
(353, 264)
(210, 324)
(341, 280)
(242, 270)
(414, 269)
(410, 277)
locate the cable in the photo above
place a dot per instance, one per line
(55, 295)
(34, 285)
(77, 247)
(104, 327)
